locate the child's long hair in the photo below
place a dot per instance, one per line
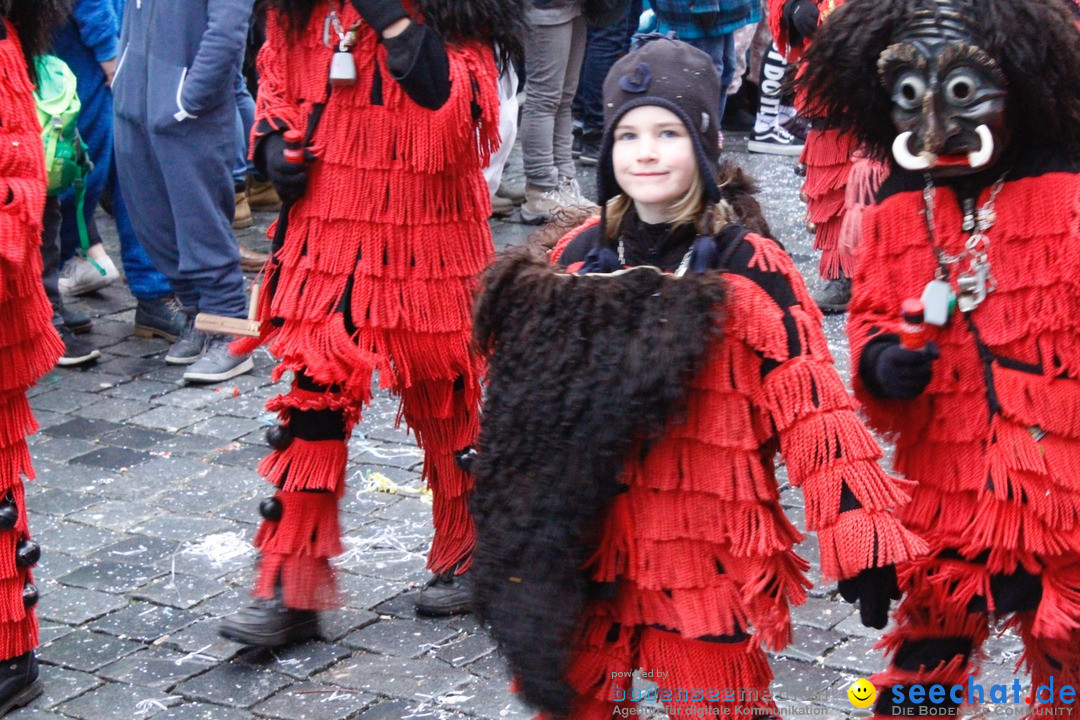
(35, 21)
(737, 204)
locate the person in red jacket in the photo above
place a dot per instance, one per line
(840, 181)
(29, 345)
(627, 507)
(980, 218)
(384, 229)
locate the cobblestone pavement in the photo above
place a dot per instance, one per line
(145, 505)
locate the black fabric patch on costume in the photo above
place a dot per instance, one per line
(580, 368)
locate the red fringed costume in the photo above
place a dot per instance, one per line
(838, 180)
(993, 444)
(29, 345)
(699, 543)
(375, 273)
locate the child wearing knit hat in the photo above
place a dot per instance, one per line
(626, 497)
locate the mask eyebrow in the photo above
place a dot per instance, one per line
(897, 55)
(964, 53)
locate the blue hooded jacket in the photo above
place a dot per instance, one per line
(179, 59)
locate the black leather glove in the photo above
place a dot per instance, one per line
(380, 14)
(801, 19)
(873, 588)
(898, 373)
(288, 178)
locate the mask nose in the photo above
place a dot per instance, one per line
(932, 135)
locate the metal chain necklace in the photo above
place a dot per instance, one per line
(976, 282)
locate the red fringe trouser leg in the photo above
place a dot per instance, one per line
(18, 623)
(297, 544)
(445, 417)
(602, 665)
(936, 639)
(699, 673)
(1053, 662)
(827, 157)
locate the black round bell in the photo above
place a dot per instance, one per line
(9, 514)
(270, 508)
(29, 595)
(800, 169)
(278, 437)
(27, 553)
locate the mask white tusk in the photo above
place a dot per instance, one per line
(978, 158)
(903, 155)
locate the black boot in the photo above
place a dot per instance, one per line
(19, 682)
(445, 594)
(835, 296)
(268, 623)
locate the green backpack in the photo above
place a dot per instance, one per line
(66, 160)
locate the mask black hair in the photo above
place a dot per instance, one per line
(498, 21)
(35, 21)
(1034, 42)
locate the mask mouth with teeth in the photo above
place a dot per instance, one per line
(948, 87)
(948, 97)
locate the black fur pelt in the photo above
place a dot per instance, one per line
(1035, 43)
(496, 21)
(581, 369)
(35, 21)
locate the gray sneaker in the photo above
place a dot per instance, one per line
(542, 204)
(191, 344)
(572, 195)
(217, 363)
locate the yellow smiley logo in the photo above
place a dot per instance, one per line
(861, 693)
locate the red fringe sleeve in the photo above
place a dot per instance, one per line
(824, 443)
(275, 110)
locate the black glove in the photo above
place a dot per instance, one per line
(288, 178)
(873, 588)
(801, 19)
(899, 373)
(380, 14)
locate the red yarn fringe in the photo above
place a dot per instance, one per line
(295, 551)
(316, 465)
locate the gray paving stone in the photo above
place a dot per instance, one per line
(75, 539)
(118, 701)
(466, 650)
(226, 427)
(239, 455)
(490, 666)
(205, 493)
(235, 684)
(401, 606)
(111, 577)
(53, 565)
(139, 348)
(114, 514)
(180, 527)
(61, 449)
(143, 389)
(396, 677)
(115, 409)
(113, 458)
(491, 699)
(61, 401)
(192, 398)
(138, 549)
(314, 701)
(855, 655)
(811, 644)
(154, 667)
(822, 614)
(171, 471)
(81, 429)
(398, 709)
(203, 711)
(179, 590)
(144, 621)
(32, 713)
(364, 592)
(201, 640)
(76, 606)
(61, 685)
(300, 661)
(86, 651)
(401, 638)
(170, 418)
(801, 681)
(336, 624)
(50, 631)
(54, 501)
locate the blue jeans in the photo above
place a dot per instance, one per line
(603, 47)
(245, 118)
(722, 51)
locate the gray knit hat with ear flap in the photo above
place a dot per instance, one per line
(673, 75)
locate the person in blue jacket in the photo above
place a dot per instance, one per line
(175, 132)
(88, 42)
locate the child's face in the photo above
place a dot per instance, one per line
(653, 159)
